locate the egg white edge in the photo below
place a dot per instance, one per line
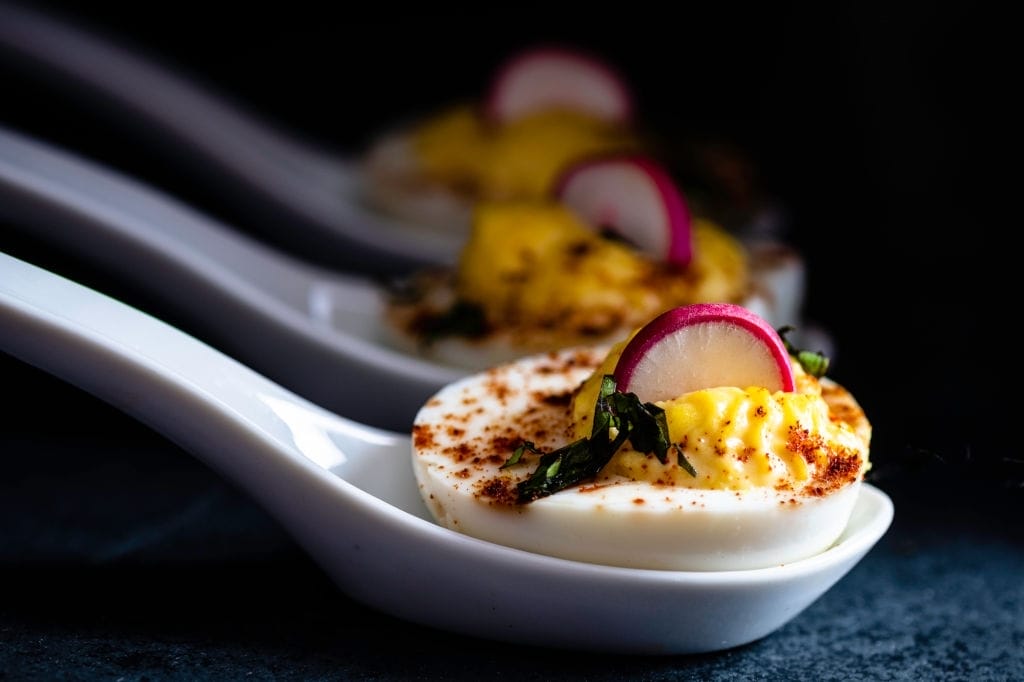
(672, 529)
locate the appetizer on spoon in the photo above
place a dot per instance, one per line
(613, 244)
(347, 494)
(545, 108)
(697, 444)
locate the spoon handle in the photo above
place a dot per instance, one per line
(110, 75)
(275, 178)
(130, 228)
(237, 421)
(327, 479)
(140, 365)
(255, 300)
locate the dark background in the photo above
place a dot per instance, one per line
(876, 128)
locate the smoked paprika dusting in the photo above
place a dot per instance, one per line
(834, 467)
(500, 491)
(423, 437)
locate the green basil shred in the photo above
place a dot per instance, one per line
(618, 417)
(814, 363)
(642, 424)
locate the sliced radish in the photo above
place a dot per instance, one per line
(552, 77)
(635, 197)
(703, 345)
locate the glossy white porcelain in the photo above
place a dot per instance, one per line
(346, 493)
(276, 175)
(317, 331)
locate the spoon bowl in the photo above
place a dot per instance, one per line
(346, 493)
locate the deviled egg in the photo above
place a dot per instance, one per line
(545, 107)
(699, 442)
(613, 245)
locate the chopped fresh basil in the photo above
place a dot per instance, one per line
(814, 363)
(644, 425)
(683, 462)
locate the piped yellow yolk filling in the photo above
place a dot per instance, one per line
(740, 438)
(534, 265)
(520, 159)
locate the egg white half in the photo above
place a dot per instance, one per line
(468, 429)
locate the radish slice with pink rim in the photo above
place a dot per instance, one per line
(635, 197)
(557, 78)
(704, 345)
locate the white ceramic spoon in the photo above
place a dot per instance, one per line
(347, 494)
(281, 178)
(314, 330)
